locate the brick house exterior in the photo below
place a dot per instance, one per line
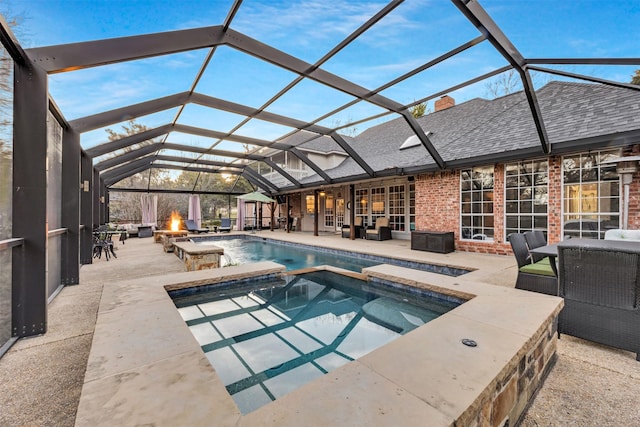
(492, 134)
(438, 205)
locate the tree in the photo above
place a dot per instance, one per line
(6, 126)
(510, 82)
(345, 129)
(635, 79)
(504, 84)
(419, 110)
(131, 128)
(125, 206)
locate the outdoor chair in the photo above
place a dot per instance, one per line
(600, 284)
(380, 231)
(123, 235)
(192, 227)
(225, 225)
(468, 233)
(535, 239)
(103, 243)
(357, 224)
(536, 277)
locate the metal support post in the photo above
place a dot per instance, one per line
(29, 262)
(70, 207)
(86, 209)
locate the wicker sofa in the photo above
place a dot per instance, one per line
(620, 234)
(132, 229)
(600, 283)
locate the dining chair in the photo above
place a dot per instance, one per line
(535, 239)
(532, 276)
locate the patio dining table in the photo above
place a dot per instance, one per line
(551, 251)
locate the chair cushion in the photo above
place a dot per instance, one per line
(382, 222)
(541, 267)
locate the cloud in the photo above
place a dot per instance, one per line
(306, 21)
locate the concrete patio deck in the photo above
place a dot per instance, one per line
(42, 377)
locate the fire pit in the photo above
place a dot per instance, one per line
(173, 229)
(158, 234)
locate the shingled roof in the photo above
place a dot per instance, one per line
(307, 141)
(480, 131)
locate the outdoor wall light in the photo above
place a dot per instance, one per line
(625, 167)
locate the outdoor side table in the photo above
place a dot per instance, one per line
(144, 231)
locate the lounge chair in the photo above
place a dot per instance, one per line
(532, 276)
(600, 284)
(193, 228)
(359, 229)
(225, 225)
(380, 231)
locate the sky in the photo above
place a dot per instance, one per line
(414, 33)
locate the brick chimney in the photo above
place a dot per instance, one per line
(444, 103)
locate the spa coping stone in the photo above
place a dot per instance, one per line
(144, 356)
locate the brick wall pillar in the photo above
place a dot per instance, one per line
(554, 206)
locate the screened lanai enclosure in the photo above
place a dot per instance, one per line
(232, 106)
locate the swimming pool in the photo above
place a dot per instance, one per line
(268, 338)
(294, 256)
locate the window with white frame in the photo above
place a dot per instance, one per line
(476, 210)
(397, 207)
(339, 212)
(328, 211)
(362, 205)
(310, 202)
(412, 206)
(526, 196)
(591, 194)
(378, 208)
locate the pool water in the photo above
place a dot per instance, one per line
(269, 338)
(296, 256)
(242, 251)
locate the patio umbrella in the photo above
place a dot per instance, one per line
(194, 210)
(256, 197)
